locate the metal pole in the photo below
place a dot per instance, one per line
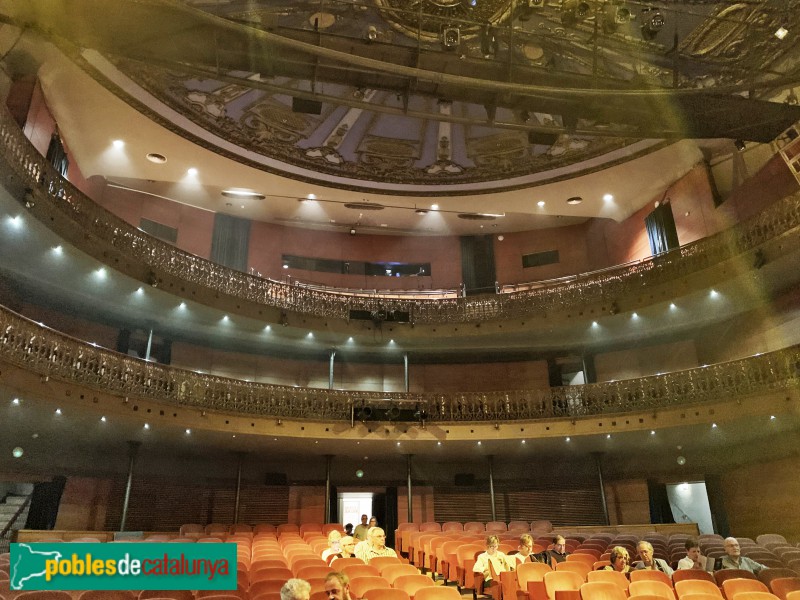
(598, 461)
(328, 460)
(491, 486)
(330, 370)
(408, 483)
(149, 346)
(405, 371)
(133, 449)
(240, 455)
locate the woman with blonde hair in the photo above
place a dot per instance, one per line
(620, 560)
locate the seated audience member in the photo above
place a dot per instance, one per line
(693, 559)
(620, 560)
(499, 561)
(558, 553)
(523, 552)
(334, 544)
(348, 546)
(374, 546)
(337, 586)
(648, 562)
(348, 529)
(373, 522)
(733, 558)
(296, 589)
(360, 532)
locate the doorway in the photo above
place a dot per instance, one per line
(689, 504)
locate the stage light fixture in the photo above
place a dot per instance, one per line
(652, 22)
(451, 38)
(573, 11)
(615, 15)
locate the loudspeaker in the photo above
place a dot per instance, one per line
(464, 479)
(311, 107)
(275, 479)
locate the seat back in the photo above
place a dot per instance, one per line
(723, 574)
(646, 575)
(386, 594)
(614, 577)
(312, 572)
(579, 567)
(782, 586)
(531, 571)
(392, 572)
(756, 596)
(602, 590)
(651, 588)
(353, 571)
(734, 586)
(340, 563)
(696, 586)
(474, 526)
(411, 583)
(557, 581)
(438, 592)
(361, 585)
(692, 574)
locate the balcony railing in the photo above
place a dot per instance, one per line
(100, 230)
(48, 353)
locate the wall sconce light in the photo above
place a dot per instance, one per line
(451, 38)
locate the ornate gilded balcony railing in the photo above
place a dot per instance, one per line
(160, 259)
(52, 354)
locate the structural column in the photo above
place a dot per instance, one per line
(133, 450)
(405, 373)
(598, 461)
(328, 461)
(491, 486)
(240, 456)
(408, 483)
(330, 371)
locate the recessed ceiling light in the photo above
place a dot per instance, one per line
(147, 425)
(574, 200)
(58, 411)
(16, 401)
(434, 207)
(421, 211)
(568, 439)
(608, 197)
(155, 157)
(17, 452)
(120, 143)
(781, 33)
(312, 196)
(192, 171)
(242, 194)
(103, 419)
(188, 432)
(540, 203)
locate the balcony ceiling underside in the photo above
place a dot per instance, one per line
(557, 108)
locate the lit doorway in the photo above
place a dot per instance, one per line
(689, 504)
(354, 504)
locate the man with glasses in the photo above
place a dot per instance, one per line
(649, 562)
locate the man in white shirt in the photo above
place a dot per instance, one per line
(374, 546)
(693, 559)
(733, 558)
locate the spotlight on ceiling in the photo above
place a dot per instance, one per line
(352, 231)
(781, 32)
(371, 33)
(652, 22)
(615, 15)
(740, 145)
(573, 11)
(451, 37)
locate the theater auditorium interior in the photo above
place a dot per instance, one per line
(499, 265)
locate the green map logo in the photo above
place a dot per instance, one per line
(122, 566)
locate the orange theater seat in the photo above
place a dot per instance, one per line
(602, 590)
(645, 575)
(615, 577)
(387, 594)
(361, 585)
(411, 583)
(647, 587)
(732, 587)
(696, 586)
(782, 586)
(438, 592)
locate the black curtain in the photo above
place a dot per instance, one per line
(661, 229)
(660, 511)
(333, 505)
(230, 241)
(57, 156)
(45, 500)
(477, 264)
(390, 515)
(716, 501)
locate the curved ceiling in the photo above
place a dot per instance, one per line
(232, 89)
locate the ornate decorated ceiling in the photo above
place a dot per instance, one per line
(447, 96)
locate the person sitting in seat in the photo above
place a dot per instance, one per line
(348, 529)
(523, 552)
(733, 558)
(557, 554)
(693, 559)
(498, 561)
(334, 544)
(296, 589)
(648, 562)
(620, 560)
(374, 546)
(337, 586)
